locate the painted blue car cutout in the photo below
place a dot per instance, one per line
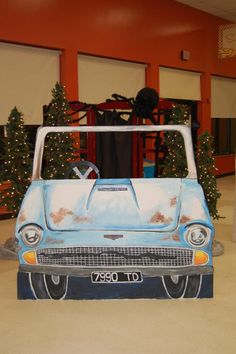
(114, 238)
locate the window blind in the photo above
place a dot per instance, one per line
(179, 84)
(99, 78)
(223, 97)
(27, 76)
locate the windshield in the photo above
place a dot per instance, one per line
(114, 152)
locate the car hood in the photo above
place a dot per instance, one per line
(131, 204)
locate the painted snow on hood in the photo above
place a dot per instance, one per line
(151, 204)
(193, 205)
(32, 208)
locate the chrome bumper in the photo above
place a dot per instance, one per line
(85, 272)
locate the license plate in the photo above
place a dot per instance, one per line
(116, 277)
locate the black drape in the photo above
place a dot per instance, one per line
(114, 150)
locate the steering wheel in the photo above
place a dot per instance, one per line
(82, 169)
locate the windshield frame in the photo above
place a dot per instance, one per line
(184, 130)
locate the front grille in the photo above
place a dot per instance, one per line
(116, 256)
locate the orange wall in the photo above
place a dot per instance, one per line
(225, 164)
(152, 32)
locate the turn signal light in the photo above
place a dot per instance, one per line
(30, 257)
(200, 258)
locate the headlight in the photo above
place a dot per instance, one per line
(198, 235)
(31, 235)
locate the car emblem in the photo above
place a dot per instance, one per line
(113, 237)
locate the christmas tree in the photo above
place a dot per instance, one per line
(173, 163)
(17, 163)
(206, 169)
(59, 147)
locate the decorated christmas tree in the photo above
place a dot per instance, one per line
(206, 172)
(17, 163)
(59, 147)
(174, 160)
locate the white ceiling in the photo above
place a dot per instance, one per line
(225, 9)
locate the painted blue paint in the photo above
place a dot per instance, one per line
(130, 205)
(153, 213)
(37, 209)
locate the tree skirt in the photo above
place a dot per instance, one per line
(217, 248)
(8, 250)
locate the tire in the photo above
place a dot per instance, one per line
(47, 286)
(57, 286)
(193, 286)
(175, 285)
(38, 286)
